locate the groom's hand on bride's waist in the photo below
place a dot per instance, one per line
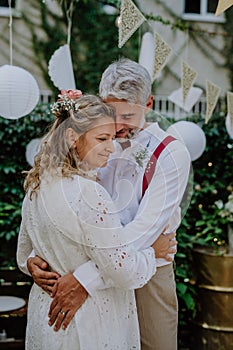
(42, 276)
(68, 296)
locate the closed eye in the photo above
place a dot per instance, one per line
(127, 116)
(102, 138)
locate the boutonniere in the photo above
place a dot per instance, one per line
(141, 155)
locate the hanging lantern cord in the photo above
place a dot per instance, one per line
(69, 14)
(10, 30)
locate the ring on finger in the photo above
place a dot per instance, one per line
(62, 312)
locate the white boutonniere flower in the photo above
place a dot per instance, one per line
(141, 155)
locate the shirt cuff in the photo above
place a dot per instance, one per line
(89, 276)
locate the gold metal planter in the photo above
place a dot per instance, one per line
(214, 286)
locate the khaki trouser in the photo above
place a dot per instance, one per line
(158, 311)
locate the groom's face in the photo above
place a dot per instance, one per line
(129, 116)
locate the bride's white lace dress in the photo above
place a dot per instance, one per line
(68, 222)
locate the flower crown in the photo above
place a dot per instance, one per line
(67, 100)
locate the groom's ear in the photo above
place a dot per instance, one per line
(71, 136)
(150, 101)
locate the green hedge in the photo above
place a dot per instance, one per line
(202, 223)
(14, 136)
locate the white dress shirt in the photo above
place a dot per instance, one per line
(144, 217)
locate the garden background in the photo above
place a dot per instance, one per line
(212, 171)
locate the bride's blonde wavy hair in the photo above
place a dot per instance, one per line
(57, 156)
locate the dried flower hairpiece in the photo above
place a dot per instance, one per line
(67, 100)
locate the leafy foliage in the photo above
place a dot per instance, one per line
(202, 223)
(14, 136)
(93, 48)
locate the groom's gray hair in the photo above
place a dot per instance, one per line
(126, 80)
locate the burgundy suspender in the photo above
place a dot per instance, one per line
(150, 168)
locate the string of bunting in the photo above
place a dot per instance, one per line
(223, 5)
(188, 77)
(212, 95)
(131, 19)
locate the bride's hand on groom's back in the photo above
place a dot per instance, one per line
(165, 245)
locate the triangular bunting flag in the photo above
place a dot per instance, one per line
(189, 75)
(147, 51)
(222, 6)
(230, 107)
(162, 51)
(212, 95)
(130, 20)
(229, 126)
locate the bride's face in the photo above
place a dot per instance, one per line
(96, 144)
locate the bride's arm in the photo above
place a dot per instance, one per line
(108, 246)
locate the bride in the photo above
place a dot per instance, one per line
(69, 218)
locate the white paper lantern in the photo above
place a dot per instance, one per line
(147, 52)
(191, 99)
(61, 68)
(191, 135)
(229, 126)
(110, 10)
(19, 92)
(33, 147)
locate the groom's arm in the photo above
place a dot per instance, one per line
(69, 294)
(50, 282)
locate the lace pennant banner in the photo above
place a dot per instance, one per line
(189, 75)
(162, 51)
(230, 107)
(222, 6)
(130, 20)
(212, 95)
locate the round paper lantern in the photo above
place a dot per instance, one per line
(147, 52)
(33, 147)
(191, 135)
(61, 68)
(19, 92)
(229, 126)
(193, 96)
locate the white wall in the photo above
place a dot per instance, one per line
(184, 48)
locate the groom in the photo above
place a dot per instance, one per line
(127, 85)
